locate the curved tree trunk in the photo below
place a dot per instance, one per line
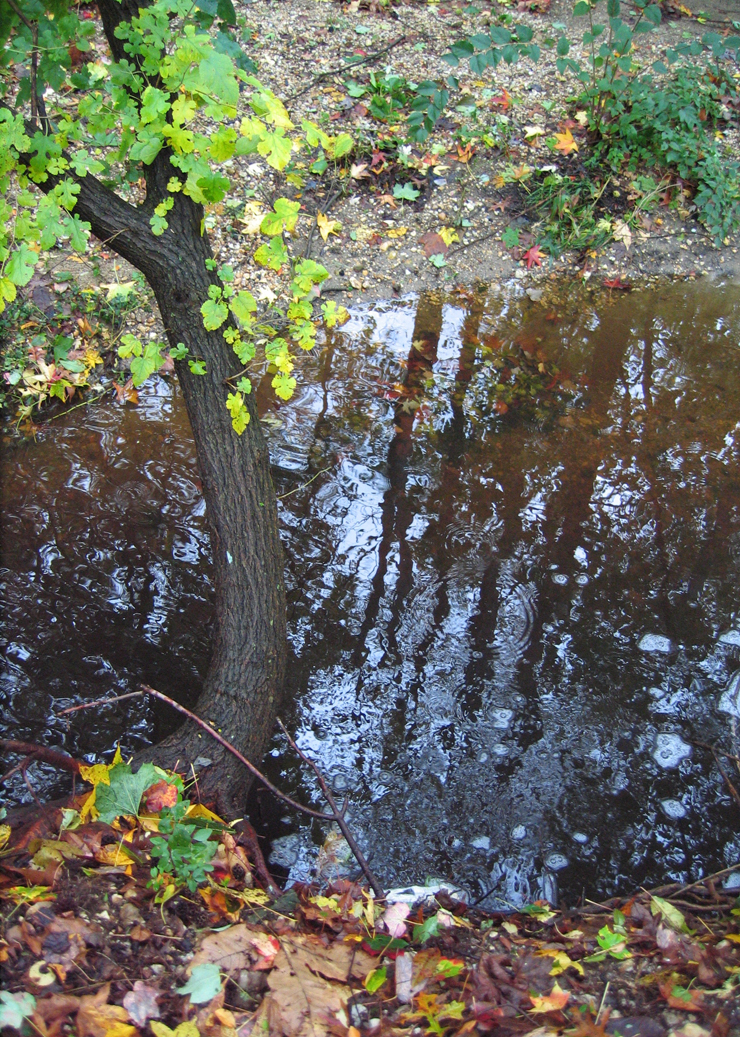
(241, 692)
(244, 681)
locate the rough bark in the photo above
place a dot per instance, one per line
(241, 692)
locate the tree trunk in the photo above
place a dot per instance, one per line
(241, 693)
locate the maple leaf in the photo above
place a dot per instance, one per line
(618, 284)
(327, 226)
(534, 256)
(358, 171)
(552, 1002)
(503, 100)
(565, 142)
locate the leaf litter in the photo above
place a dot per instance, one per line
(92, 945)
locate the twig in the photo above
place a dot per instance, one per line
(17, 767)
(338, 815)
(733, 791)
(345, 68)
(146, 690)
(24, 767)
(601, 1006)
(309, 244)
(303, 485)
(40, 752)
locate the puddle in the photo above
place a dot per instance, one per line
(510, 615)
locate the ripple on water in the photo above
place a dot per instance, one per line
(670, 750)
(656, 643)
(730, 700)
(673, 809)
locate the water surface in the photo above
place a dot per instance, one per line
(512, 616)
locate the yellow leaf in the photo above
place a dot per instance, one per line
(561, 963)
(565, 142)
(552, 1002)
(188, 1029)
(114, 855)
(530, 132)
(88, 810)
(582, 118)
(734, 937)
(396, 232)
(327, 226)
(4, 835)
(198, 810)
(448, 235)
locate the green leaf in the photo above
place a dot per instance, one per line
(15, 1008)
(226, 12)
(510, 237)
(123, 795)
(375, 979)
(214, 314)
(275, 147)
(284, 217)
(237, 408)
(273, 254)
(427, 929)
(283, 384)
(145, 365)
(670, 914)
(405, 192)
(242, 306)
(342, 145)
(214, 186)
(204, 983)
(19, 268)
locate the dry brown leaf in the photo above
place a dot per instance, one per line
(309, 985)
(240, 947)
(96, 1018)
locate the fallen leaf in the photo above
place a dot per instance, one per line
(618, 284)
(358, 171)
(449, 235)
(622, 233)
(159, 796)
(239, 947)
(533, 256)
(530, 132)
(433, 244)
(685, 1000)
(96, 1018)
(396, 232)
(556, 1000)
(309, 986)
(141, 1003)
(327, 226)
(393, 919)
(565, 142)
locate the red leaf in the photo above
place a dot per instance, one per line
(618, 284)
(534, 256)
(160, 796)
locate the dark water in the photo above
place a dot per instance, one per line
(508, 628)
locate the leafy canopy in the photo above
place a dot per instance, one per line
(172, 86)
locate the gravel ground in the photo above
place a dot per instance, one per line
(296, 41)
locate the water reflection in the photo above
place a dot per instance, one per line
(507, 629)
